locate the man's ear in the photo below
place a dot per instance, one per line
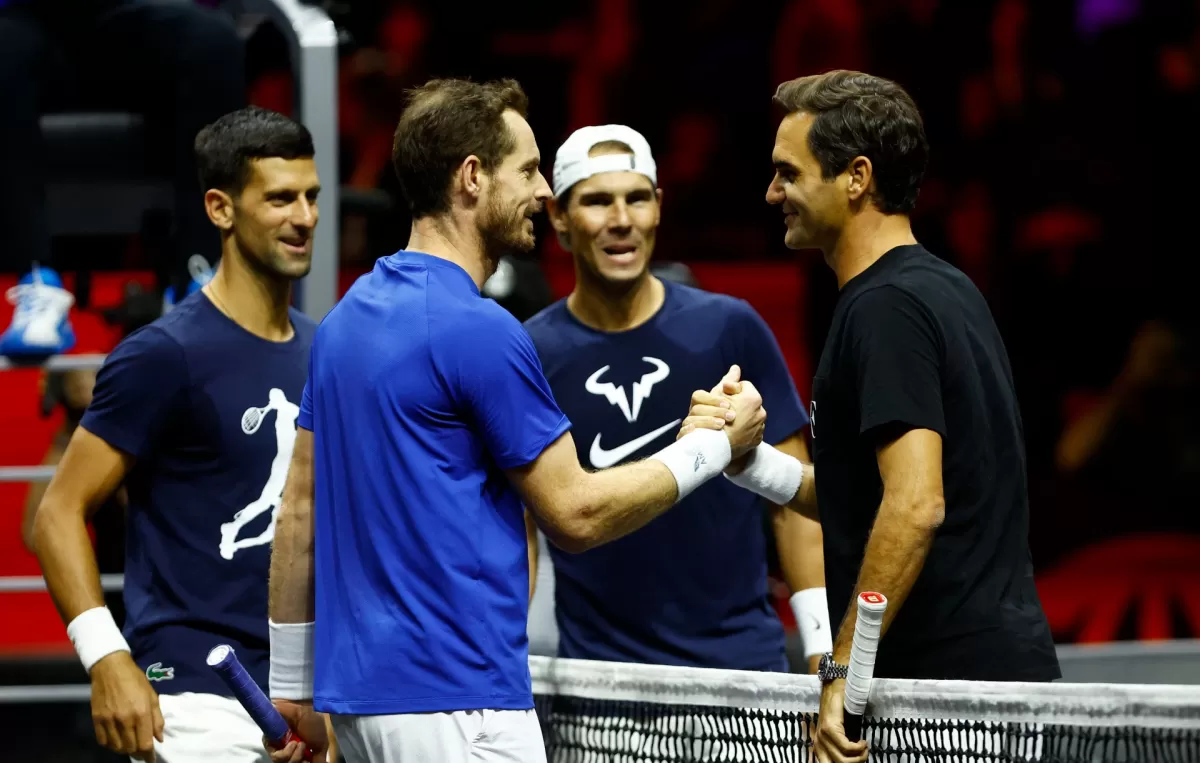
(860, 174)
(220, 208)
(471, 178)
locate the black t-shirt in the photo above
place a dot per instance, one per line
(913, 346)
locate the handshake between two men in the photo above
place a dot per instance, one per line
(735, 407)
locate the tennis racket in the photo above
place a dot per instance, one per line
(222, 660)
(252, 419)
(871, 607)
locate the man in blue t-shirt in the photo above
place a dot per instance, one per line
(622, 354)
(195, 414)
(400, 577)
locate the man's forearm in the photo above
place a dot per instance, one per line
(801, 555)
(292, 574)
(805, 500)
(292, 589)
(615, 502)
(68, 561)
(896, 550)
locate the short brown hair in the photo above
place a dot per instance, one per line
(858, 114)
(444, 122)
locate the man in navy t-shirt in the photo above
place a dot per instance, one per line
(196, 415)
(425, 427)
(623, 354)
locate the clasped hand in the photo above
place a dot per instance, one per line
(734, 406)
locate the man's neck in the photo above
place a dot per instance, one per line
(605, 310)
(868, 237)
(441, 237)
(252, 300)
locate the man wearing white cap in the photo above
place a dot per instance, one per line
(622, 354)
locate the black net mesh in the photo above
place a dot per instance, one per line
(651, 728)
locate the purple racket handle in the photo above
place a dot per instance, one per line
(222, 660)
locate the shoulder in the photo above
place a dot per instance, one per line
(477, 328)
(720, 312)
(548, 322)
(882, 299)
(688, 298)
(150, 345)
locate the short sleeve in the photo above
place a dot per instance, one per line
(897, 350)
(499, 379)
(764, 365)
(305, 419)
(139, 390)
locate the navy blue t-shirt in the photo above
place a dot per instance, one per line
(421, 393)
(689, 588)
(209, 412)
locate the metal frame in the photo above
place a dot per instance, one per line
(313, 41)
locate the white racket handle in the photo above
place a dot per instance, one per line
(871, 607)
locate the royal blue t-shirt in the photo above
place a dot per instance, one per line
(209, 412)
(689, 588)
(421, 392)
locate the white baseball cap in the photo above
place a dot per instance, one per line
(572, 163)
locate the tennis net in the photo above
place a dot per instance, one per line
(596, 712)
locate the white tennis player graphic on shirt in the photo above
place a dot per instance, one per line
(286, 414)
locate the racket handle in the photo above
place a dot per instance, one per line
(226, 664)
(867, 626)
(853, 723)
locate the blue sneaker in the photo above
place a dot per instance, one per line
(201, 273)
(39, 324)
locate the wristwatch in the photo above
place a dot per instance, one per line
(828, 670)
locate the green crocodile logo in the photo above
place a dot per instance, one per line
(157, 672)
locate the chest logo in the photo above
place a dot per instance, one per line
(602, 459)
(812, 418)
(641, 389)
(286, 414)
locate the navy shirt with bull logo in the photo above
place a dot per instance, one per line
(208, 410)
(689, 588)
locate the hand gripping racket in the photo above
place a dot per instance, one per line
(871, 607)
(222, 660)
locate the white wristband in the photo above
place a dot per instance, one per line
(770, 473)
(95, 635)
(291, 661)
(695, 458)
(811, 609)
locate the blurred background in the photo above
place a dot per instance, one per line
(1062, 181)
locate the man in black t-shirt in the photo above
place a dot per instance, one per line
(916, 432)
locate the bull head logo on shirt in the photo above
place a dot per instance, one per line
(641, 389)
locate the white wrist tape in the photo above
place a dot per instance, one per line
(95, 635)
(811, 609)
(291, 661)
(770, 473)
(695, 458)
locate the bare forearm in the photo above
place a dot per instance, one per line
(68, 561)
(801, 554)
(895, 554)
(805, 500)
(292, 570)
(614, 502)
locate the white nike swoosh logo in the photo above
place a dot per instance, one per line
(602, 459)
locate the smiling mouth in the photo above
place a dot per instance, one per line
(298, 245)
(616, 250)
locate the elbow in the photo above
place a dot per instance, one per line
(577, 530)
(930, 513)
(577, 537)
(41, 530)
